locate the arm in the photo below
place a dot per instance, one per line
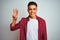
(13, 25)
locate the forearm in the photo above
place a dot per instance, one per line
(14, 25)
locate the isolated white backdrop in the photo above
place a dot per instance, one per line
(47, 9)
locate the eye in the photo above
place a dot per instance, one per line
(30, 9)
(34, 8)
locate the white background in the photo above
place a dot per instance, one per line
(47, 9)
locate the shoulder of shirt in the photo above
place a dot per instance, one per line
(24, 19)
(41, 19)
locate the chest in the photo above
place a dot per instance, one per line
(32, 25)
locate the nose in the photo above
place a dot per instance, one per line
(32, 11)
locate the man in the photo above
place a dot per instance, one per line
(31, 27)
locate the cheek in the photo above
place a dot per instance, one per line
(29, 11)
(32, 11)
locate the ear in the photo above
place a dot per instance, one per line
(36, 9)
(27, 10)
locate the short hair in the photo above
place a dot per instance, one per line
(32, 3)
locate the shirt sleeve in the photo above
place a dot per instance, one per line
(17, 26)
(44, 32)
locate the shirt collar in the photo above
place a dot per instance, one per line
(29, 16)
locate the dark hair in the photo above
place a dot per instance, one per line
(32, 3)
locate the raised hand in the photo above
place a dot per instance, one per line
(15, 14)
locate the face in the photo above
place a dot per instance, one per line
(32, 10)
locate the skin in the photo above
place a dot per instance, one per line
(32, 10)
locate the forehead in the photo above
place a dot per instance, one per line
(32, 6)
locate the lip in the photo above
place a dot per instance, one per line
(32, 13)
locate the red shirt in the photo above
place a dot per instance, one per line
(22, 25)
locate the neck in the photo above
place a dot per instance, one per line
(34, 17)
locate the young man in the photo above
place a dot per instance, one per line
(31, 27)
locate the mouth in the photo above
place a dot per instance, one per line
(32, 14)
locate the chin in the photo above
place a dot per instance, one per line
(32, 15)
